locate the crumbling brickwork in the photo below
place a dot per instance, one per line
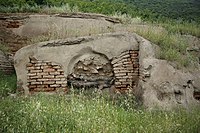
(126, 70)
(13, 41)
(45, 76)
(13, 23)
(5, 64)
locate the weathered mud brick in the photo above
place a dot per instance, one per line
(49, 82)
(29, 65)
(32, 86)
(127, 83)
(57, 67)
(49, 76)
(55, 85)
(54, 73)
(49, 70)
(31, 80)
(61, 82)
(120, 74)
(136, 66)
(43, 79)
(118, 64)
(57, 79)
(122, 80)
(40, 64)
(59, 70)
(45, 66)
(120, 86)
(59, 76)
(124, 53)
(35, 71)
(128, 66)
(35, 77)
(63, 85)
(42, 86)
(31, 74)
(117, 83)
(43, 74)
(36, 83)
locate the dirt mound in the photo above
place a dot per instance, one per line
(18, 30)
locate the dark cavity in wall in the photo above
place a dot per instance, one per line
(94, 71)
(122, 72)
(197, 95)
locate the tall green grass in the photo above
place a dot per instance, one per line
(7, 84)
(80, 114)
(183, 28)
(173, 46)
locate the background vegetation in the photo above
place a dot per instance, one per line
(154, 10)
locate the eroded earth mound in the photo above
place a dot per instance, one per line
(75, 49)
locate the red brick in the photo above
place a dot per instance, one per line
(117, 83)
(29, 65)
(49, 82)
(55, 85)
(49, 76)
(32, 86)
(59, 76)
(120, 74)
(36, 83)
(43, 79)
(40, 64)
(42, 86)
(54, 73)
(35, 71)
(43, 74)
(63, 85)
(35, 77)
(122, 80)
(49, 70)
(120, 86)
(60, 70)
(31, 80)
(30, 68)
(57, 67)
(61, 82)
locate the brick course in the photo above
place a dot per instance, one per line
(126, 70)
(45, 76)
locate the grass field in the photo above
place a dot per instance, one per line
(83, 114)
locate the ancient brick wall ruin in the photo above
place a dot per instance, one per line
(45, 76)
(126, 70)
(6, 65)
(7, 36)
(121, 72)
